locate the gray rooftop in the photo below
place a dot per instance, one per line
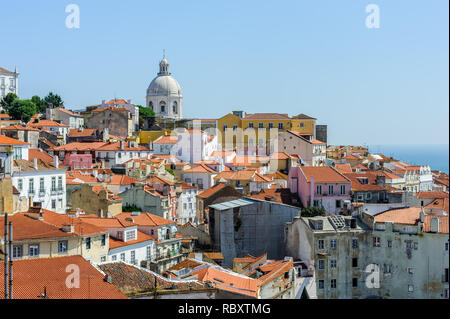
(232, 204)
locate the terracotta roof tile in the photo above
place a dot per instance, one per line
(30, 276)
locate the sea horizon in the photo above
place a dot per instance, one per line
(434, 155)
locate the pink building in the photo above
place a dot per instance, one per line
(77, 161)
(320, 186)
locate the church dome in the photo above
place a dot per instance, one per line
(164, 84)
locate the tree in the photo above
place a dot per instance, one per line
(7, 101)
(22, 110)
(146, 116)
(53, 100)
(131, 208)
(313, 211)
(41, 105)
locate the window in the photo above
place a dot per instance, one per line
(446, 294)
(360, 197)
(41, 185)
(342, 189)
(319, 189)
(280, 126)
(387, 268)
(53, 203)
(333, 263)
(17, 251)
(302, 124)
(31, 186)
(354, 282)
(148, 253)
(133, 257)
(122, 256)
(129, 235)
(354, 262)
(333, 244)
(175, 108)
(369, 196)
(260, 125)
(389, 243)
(88, 243)
(33, 250)
(114, 258)
(410, 288)
(376, 242)
(103, 239)
(321, 244)
(225, 127)
(250, 125)
(321, 264)
(102, 259)
(330, 189)
(338, 203)
(20, 185)
(63, 246)
(333, 283)
(53, 184)
(235, 127)
(270, 126)
(321, 284)
(17, 153)
(410, 270)
(60, 184)
(355, 243)
(446, 247)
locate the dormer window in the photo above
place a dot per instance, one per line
(130, 235)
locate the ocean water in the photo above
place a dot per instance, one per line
(435, 155)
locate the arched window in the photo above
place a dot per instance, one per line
(175, 107)
(162, 106)
(150, 105)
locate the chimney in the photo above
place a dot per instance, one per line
(103, 102)
(35, 163)
(68, 228)
(122, 145)
(381, 180)
(129, 101)
(80, 129)
(108, 279)
(422, 216)
(55, 161)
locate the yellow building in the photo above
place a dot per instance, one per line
(252, 133)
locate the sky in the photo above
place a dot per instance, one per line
(386, 85)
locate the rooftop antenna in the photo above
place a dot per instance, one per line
(164, 53)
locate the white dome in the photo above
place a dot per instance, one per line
(164, 85)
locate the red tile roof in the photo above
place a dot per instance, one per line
(145, 219)
(166, 139)
(202, 168)
(85, 132)
(210, 191)
(266, 116)
(30, 276)
(408, 216)
(4, 140)
(443, 223)
(323, 174)
(41, 155)
(44, 123)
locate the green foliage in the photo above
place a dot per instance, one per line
(22, 110)
(41, 105)
(313, 211)
(53, 100)
(170, 171)
(146, 115)
(7, 101)
(131, 208)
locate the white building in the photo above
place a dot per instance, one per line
(9, 82)
(186, 206)
(194, 145)
(126, 242)
(164, 95)
(40, 184)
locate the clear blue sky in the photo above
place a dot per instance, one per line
(375, 86)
